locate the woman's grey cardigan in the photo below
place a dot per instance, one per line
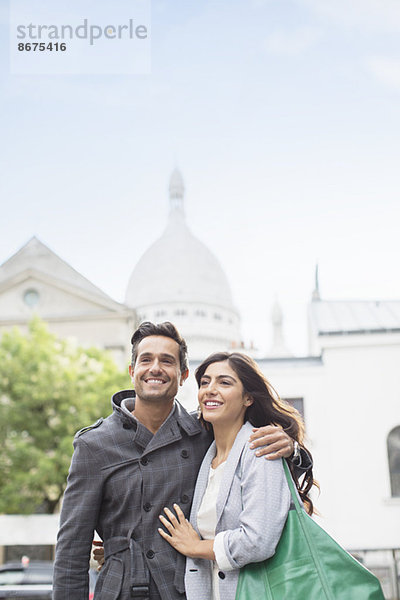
(252, 507)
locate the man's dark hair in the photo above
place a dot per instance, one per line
(166, 329)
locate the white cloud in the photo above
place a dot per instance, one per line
(370, 15)
(294, 42)
(386, 70)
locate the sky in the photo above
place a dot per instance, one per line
(283, 117)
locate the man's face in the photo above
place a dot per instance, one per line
(156, 374)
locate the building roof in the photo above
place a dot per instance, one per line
(37, 258)
(337, 317)
(178, 267)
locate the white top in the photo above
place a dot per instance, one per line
(207, 518)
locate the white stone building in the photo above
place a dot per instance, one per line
(37, 281)
(187, 286)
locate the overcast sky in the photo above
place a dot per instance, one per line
(283, 117)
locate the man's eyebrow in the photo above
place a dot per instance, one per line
(145, 354)
(166, 355)
(162, 355)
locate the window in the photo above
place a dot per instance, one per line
(200, 313)
(180, 312)
(297, 403)
(160, 313)
(393, 446)
(31, 297)
(217, 317)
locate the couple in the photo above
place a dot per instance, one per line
(133, 476)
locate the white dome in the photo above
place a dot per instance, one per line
(178, 267)
(178, 279)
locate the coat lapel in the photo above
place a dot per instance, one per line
(230, 467)
(228, 475)
(201, 484)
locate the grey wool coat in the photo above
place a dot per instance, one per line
(120, 479)
(252, 507)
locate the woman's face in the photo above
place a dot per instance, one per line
(221, 396)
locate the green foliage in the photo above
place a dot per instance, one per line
(49, 389)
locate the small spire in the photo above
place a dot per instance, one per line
(278, 341)
(176, 192)
(316, 295)
(276, 314)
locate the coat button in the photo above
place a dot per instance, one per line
(185, 453)
(144, 461)
(185, 499)
(150, 554)
(221, 575)
(147, 506)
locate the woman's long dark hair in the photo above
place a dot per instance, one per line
(267, 408)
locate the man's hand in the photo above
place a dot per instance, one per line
(277, 443)
(98, 554)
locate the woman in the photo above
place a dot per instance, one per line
(240, 503)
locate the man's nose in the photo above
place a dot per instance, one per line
(155, 366)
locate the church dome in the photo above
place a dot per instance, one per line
(178, 267)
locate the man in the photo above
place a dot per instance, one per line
(126, 469)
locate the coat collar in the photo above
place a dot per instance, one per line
(170, 431)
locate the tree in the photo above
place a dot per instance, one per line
(49, 389)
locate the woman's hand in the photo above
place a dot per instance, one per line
(181, 536)
(272, 442)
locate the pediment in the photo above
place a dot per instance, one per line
(33, 291)
(36, 279)
(36, 258)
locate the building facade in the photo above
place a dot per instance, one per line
(37, 281)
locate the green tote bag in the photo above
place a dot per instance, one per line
(307, 565)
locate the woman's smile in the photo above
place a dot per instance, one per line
(212, 404)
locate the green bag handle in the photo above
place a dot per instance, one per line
(291, 486)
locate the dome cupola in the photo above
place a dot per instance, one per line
(179, 279)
